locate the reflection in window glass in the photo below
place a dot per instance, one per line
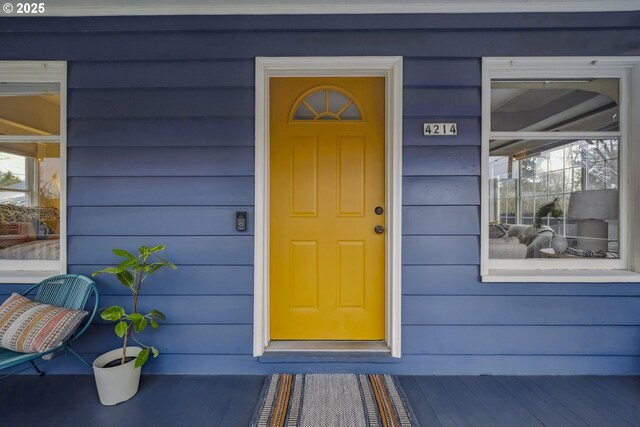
(566, 105)
(30, 184)
(316, 102)
(13, 173)
(30, 203)
(304, 113)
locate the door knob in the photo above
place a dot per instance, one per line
(379, 229)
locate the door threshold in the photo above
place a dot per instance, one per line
(334, 347)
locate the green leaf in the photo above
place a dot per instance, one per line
(140, 324)
(108, 270)
(155, 352)
(152, 268)
(154, 324)
(146, 268)
(165, 262)
(142, 358)
(157, 314)
(126, 264)
(123, 253)
(157, 248)
(126, 278)
(121, 328)
(144, 251)
(134, 316)
(112, 313)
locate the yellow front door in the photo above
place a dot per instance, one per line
(327, 196)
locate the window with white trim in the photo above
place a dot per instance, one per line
(32, 170)
(556, 184)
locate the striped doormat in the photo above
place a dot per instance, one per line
(332, 400)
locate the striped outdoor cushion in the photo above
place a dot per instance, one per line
(31, 327)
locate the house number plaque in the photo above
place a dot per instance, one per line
(440, 129)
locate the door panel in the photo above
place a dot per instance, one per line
(303, 184)
(351, 185)
(327, 176)
(304, 274)
(351, 270)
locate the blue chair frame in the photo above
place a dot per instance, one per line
(65, 290)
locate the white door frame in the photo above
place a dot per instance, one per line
(365, 66)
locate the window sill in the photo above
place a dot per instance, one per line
(26, 276)
(562, 276)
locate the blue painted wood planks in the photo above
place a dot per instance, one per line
(159, 132)
(161, 150)
(161, 161)
(242, 45)
(160, 191)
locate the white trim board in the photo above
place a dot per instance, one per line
(281, 7)
(562, 276)
(391, 69)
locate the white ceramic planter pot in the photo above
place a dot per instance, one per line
(118, 383)
(559, 244)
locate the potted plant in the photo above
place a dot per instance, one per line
(117, 372)
(558, 242)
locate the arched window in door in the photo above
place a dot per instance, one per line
(326, 103)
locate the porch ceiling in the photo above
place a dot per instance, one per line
(267, 7)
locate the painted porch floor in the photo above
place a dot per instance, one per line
(177, 400)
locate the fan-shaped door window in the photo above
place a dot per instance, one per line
(326, 103)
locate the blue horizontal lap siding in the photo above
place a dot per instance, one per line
(522, 340)
(440, 250)
(445, 220)
(161, 161)
(158, 132)
(126, 220)
(161, 74)
(441, 160)
(460, 22)
(490, 310)
(450, 101)
(457, 21)
(243, 45)
(181, 339)
(161, 135)
(186, 310)
(430, 72)
(189, 280)
(441, 190)
(194, 250)
(160, 191)
(205, 363)
(463, 280)
(161, 102)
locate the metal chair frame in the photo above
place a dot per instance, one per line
(66, 290)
